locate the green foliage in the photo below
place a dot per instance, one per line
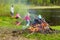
(39, 2)
(44, 2)
(32, 2)
(20, 8)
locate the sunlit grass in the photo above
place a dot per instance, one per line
(8, 22)
(40, 36)
(55, 27)
(18, 8)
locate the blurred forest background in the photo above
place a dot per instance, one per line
(31, 2)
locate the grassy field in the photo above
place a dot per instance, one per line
(9, 23)
(20, 8)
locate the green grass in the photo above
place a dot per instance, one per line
(8, 22)
(55, 27)
(18, 8)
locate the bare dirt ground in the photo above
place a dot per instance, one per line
(6, 34)
(9, 37)
(14, 34)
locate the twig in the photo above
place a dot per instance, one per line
(30, 34)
